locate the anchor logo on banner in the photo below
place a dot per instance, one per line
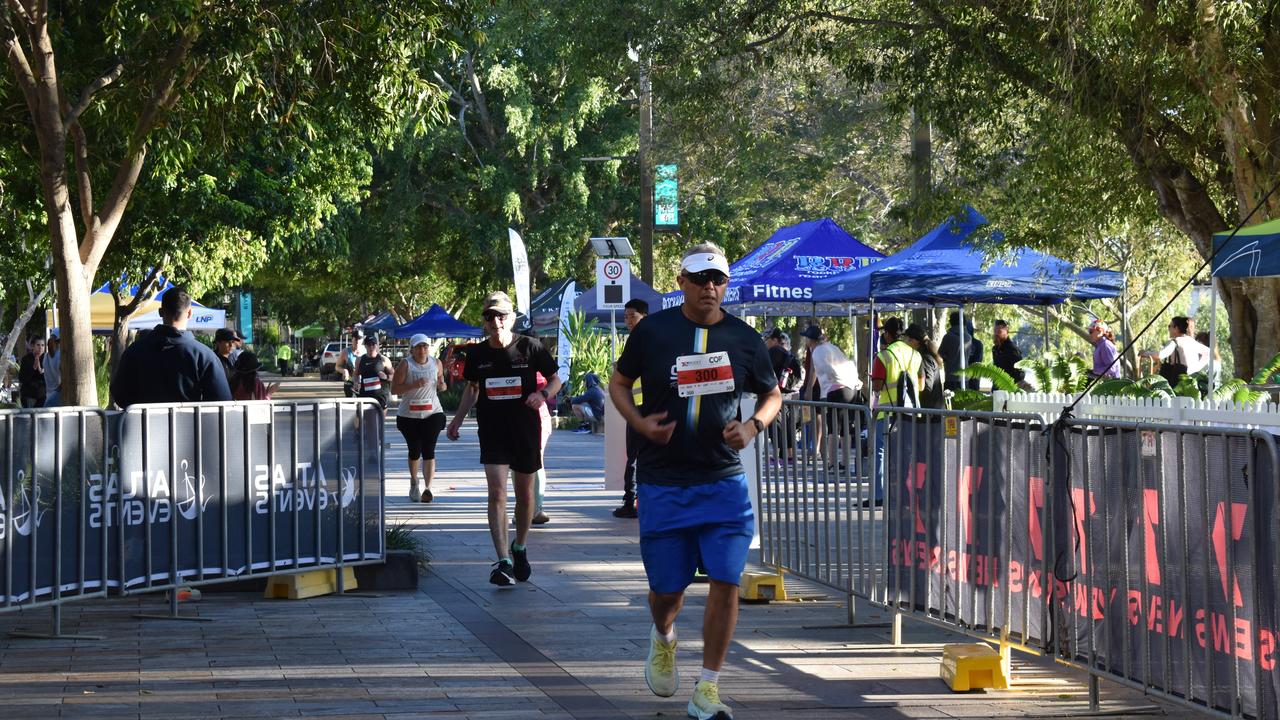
(187, 505)
(27, 504)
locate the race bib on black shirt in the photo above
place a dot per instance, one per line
(721, 362)
(507, 376)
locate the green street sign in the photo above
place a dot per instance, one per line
(666, 208)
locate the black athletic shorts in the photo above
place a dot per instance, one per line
(421, 434)
(517, 443)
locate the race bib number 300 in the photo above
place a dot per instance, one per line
(502, 388)
(704, 374)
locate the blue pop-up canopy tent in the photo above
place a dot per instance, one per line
(436, 322)
(943, 266)
(381, 322)
(778, 277)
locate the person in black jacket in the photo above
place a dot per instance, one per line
(169, 365)
(31, 387)
(955, 345)
(1004, 353)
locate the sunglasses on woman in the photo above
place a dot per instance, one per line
(715, 277)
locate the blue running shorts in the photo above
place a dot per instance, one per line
(678, 525)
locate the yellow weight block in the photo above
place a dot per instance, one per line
(299, 586)
(971, 667)
(761, 586)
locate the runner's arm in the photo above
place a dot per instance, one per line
(399, 386)
(441, 385)
(465, 403)
(650, 426)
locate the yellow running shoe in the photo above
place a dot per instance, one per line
(706, 705)
(660, 669)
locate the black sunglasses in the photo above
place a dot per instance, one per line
(491, 316)
(715, 277)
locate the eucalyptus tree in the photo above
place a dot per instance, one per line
(113, 88)
(1177, 100)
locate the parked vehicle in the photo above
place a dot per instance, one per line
(329, 357)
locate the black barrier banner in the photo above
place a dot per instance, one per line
(301, 488)
(91, 500)
(1152, 559)
(47, 456)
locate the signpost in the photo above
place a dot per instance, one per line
(613, 292)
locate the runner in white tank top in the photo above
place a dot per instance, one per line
(419, 417)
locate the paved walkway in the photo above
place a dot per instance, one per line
(569, 644)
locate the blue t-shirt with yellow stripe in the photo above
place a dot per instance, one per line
(697, 452)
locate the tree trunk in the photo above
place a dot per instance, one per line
(79, 387)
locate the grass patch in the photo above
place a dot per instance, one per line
(401, 537)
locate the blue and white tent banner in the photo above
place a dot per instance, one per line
(1253, 252)
(785, 268)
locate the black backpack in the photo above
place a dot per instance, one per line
(1175, 367)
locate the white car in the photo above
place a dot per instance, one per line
(329, 357)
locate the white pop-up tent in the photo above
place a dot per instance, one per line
(202, 318)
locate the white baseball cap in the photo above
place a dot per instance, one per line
(419, 339)
(705, 261)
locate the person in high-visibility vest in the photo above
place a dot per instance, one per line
(895, 381)
(284, 356)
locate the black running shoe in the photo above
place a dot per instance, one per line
(520, 560)
(501, 574)
(626, 511)
(427, 496)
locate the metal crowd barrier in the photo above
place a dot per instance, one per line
(49, 553)
(1103, 544)
(162, 496)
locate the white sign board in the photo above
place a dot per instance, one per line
(613, 283)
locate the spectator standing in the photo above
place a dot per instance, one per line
(224, 341)
(245, 383)
(633, 312)
(284, 358)
(1005, 354)
(932, 387)
(785, 365)
(53, 371)
(957, 346)
(1105, 356)
(896, 379)
(1182, 355)
(31, 379)
(169, 365)
(836, 377)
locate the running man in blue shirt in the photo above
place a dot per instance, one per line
(694, 361)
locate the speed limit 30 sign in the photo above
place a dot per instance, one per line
(613, 283)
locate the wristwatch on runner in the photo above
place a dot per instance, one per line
(759, 425)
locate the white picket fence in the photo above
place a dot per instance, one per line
(1172, 410)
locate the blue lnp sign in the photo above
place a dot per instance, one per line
(246, 316)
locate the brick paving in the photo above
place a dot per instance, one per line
(569, 644)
